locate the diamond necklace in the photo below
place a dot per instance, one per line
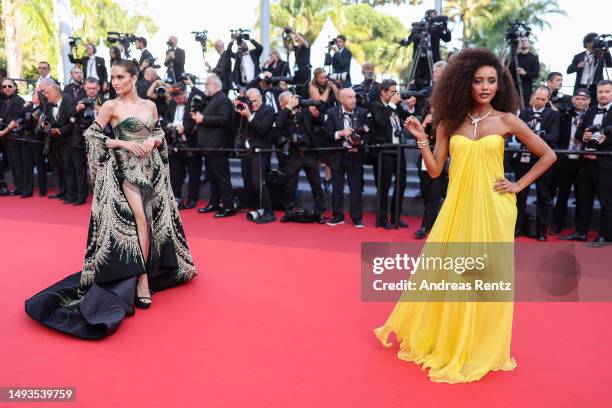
(476, 120)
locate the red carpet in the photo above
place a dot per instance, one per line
(273, 320)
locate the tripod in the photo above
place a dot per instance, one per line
(423, 51)
(519, 82)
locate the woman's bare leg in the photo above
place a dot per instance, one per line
(132, 194)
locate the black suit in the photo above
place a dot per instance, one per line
(75, 91)
(215, 132)
(531, 64)
(341, 62)
(274, 92)
(255, 166)
(302, 73)
(550, 126)
(100, 68)
(33, 156)
(280, 70)
(178, 64)
(223, 69)
(66, 155)
(346, 162)
(146, 55)
(383, 133)
(573, 67)
(11, 109)
(254, 54)
(595, 176)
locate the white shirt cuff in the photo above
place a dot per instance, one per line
(337, 135)
(392, 105)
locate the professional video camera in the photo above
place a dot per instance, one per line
(516, 30)
(201, 37)
(597, 131)
(422, 29)
(601, 45)
(287, 34)
(198, 103)
(244, 103)
(124, 39)
(240, 34)
(73, 41)
(563, 104)
(340, 76)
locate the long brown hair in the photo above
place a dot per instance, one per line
(452, 100)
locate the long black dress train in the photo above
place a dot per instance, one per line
(92, 303)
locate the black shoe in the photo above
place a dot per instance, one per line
(209, 209)
(264, 219)
(79, 201)
(402, 224)
(336, 220)
(69, 200)
(385, 224)
(358, 224)
(190, 204)
(26, 195)
(59, 196)
(225, 213)
(15, 192)
(555, 229)
(599, 238)
(541, 237)
(4, 192)
(142, 302)
(573, 237)
(421, 233)
(598, 244)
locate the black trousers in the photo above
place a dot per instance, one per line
(55, 161)
(218, 172)
(544, 197)
(74, 166)
(254, 168)
(566, 174)
(431, 191)
(14, 152)
(33, 157)
(308, 161)
(352, 167)
(181, 167)
(388, 171)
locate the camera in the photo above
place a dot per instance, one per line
(560, 101)
(45, 130)
(421, 29)
(73, 41)
(331, 43)
(241, 34)
(307, 103)
(357, 136)
(287, 33)
(160, 90)
(123, 39)
(601, 44)
(339, 76)
(201, 36)
(597, 131)
(89, 113)
(244, 103)
(416, 94)
(273, 79)
(515, 31)
(198, 103)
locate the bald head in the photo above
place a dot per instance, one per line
(255, 97)
(348, 99)
(219, 46)
(150, 74)
(172, 40)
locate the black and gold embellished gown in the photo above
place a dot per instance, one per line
(92, 303)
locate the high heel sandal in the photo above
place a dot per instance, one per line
(143, 305)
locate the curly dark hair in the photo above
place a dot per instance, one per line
(452, 100)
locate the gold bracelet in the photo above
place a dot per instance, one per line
(422, 143)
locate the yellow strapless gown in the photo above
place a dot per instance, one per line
(462, 341)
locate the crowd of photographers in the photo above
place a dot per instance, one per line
(310, 123)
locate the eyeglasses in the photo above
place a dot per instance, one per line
(7, 86)
(42, 68)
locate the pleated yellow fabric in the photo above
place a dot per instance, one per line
(462, 341)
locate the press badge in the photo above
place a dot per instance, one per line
(525, 157)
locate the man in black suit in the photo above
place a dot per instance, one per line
(92, 65)
(528, 69)
(75, 88)
(341, 125)
(257, 120)
(60, 110)
(146, 58)
(44, 71)
(223, 69)
(246, 66)
(175, 60)
(568, 165)
(545, 123)
(595, 174)
(589, 65)
(11, 110)
(214, 131)
(388, 115)
(341, 60)
(269, 91)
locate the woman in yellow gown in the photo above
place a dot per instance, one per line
(474, 104)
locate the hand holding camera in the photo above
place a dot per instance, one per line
(395, 98)
(197, 117)
(293, 102)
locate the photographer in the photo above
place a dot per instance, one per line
(544, 122)
(92, 65)
(246, 66)
(59, 112)
(528, 69)
(146, 58)
(175, 125)
(341, 60)
(302, 63)
(388, 114)
(11, 107)
(589, 64)
(223, 69)
(33, 151)
(595, 174)
(268, 88)
(369, 90)
(295, 122)
(259, 119)
(214, 131)
(437, 29)
(276, 65)
(558, 101)
(567, 165)
(75, 87)
(152, 87)
(44, 71)
(175, 60)
(346, 128)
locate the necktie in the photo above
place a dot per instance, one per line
(601, 110)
